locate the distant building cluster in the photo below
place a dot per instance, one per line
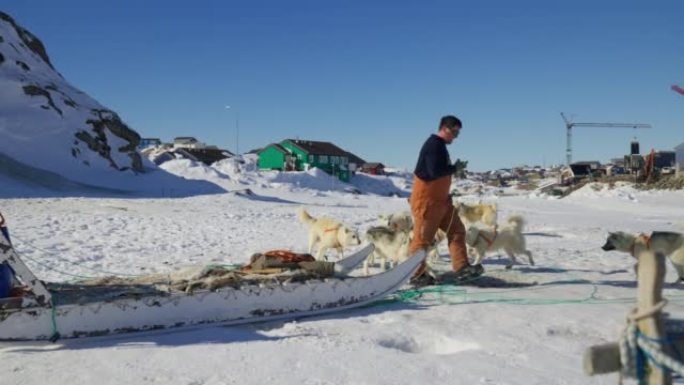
(185, 147)
(287, 155)
(641, 166)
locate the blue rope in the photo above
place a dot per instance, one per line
(662, 341)
(639, 360)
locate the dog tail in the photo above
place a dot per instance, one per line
(517, 222)
(305, 217)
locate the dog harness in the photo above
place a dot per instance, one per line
(645, 238)
(489, 241)
(338, 244)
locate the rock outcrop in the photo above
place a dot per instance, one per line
(47, 123)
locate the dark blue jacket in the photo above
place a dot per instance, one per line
(433, 161)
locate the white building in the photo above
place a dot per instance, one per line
(187, 142)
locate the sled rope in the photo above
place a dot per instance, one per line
(445, 292)
(50, 268)
(55, 334)
(56, 256)
(635, 346)
(229, 266)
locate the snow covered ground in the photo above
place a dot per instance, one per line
(465, 335)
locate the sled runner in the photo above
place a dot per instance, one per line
(49, 311)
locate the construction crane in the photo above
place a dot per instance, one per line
(569, 125)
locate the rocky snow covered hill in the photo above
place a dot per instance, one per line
(55, 136)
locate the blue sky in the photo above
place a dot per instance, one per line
(374, 77)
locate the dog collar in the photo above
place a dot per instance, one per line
(645, 238)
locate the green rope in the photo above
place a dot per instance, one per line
(445, 292)
(55, 334)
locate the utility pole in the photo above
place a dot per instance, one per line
(237, 130)
(569, 125)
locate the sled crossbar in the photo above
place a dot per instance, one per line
(23, 273)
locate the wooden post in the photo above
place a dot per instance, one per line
(605, 358)
(651, 273)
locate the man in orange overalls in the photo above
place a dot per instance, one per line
(431, 204)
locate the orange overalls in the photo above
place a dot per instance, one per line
(432, 208)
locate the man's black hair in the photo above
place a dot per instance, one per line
(450, 122)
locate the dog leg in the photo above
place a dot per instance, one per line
(312, 241)
(478, 256)
(433, 255)
(320, 255)
(529, 256)
(680, 272)
(371, 258)
(512, 260)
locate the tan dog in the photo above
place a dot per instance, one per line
(403, 222)
(668, 243)
(326, 233)
(508, 238)
(479, 212)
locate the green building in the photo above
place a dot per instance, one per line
(300, 155)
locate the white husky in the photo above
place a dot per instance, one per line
(508, 238)
(669, 243)
(326, 233)
(399, 221)
(390, 245)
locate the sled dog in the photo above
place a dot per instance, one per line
(670, 244)
(327, 233)
(480, 212)
(508, 238)
(390, 245)
(400, 221)
(403, 221)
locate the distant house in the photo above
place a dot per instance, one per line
(585, 168)
(187, 142)
(664, 159)
(355, 162)
(373, 168)
(299, 155)
(184, 147)
(276, 157)
(208, 155)
(149, 142)
(679, 159)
